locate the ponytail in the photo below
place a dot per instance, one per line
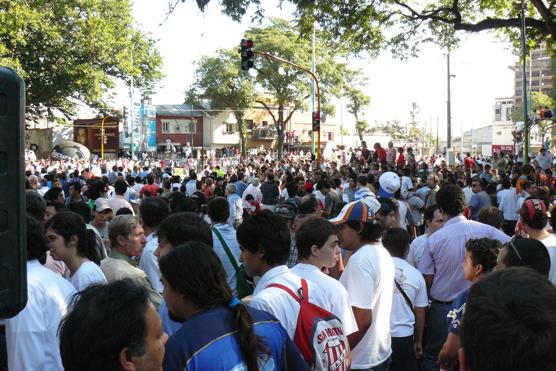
(249, 343)
(92, 251)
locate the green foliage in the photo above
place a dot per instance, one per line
(69, 50)
(403, 25)
(289, 87)
(220, 80)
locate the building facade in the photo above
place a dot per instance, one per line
(178, 125)
(539, 75)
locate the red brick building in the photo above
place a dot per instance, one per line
(180, 124)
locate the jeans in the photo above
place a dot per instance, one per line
(436, 332)
(384, 366)
(403, 355)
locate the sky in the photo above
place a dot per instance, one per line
(480, 66)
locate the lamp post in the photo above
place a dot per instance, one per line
(524, 89)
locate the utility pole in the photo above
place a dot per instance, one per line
(131, 119)
(313, 70)
(437, 124)
(525, 105)
(449, 109)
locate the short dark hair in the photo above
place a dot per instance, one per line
(371, 231)
(362, 179)
(532, 254)
(104, 320)
(35, 204)
(307, 205)
(429, 212)
(120, 187)
(396, 241)
(179, 202)
(450, 199)
(36, 242)
(313, 230)
(499, 332)
(153, 210)
(183, 227)
(490, 215)
(53, 193)
(268, 232)
(82, 209)
(483, 251)
(218, 210)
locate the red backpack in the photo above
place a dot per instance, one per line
(319, 334)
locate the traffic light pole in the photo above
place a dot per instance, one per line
(317, 91)
(525, 105)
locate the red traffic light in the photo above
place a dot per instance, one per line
(247, 43)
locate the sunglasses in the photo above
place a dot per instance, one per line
(512, 246)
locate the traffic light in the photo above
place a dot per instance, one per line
(246, 54)
(316, 121)
(13, 249)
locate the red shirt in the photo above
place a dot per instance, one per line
(381, 155)
(469, 163)
(401, 160)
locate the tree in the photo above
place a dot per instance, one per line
(291, 88)
(73, 50)
(220, 80)
(402, 25)
(415, 134)
(358, 102)
(538, 101)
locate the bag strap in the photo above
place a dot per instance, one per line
(404, 296)
(226, 248)
(286, 289)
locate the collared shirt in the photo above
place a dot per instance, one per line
(508, 204)
(229, 235)
(115, 254)
(292, 258)
(236, 208)
(362, 193)
(279, 303)
(444, 253)
(149, 262)
(32, 335)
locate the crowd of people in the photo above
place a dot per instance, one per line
(375, 259)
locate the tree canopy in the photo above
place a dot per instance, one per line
(219, 79)
(73, 50)
(402, 25)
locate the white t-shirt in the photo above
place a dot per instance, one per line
(279, 303)
(86, 275)
(416, 250)
(550, 243)
(403, 209)
(407, 184)
(411, 280)
(369, 281)
(336, 292)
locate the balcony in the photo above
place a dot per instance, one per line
(264, 132)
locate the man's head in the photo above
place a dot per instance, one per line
(499, 330)
(112, 327)
(386, 215)
(152, 211)
(434, 219)
(120, 187)
(490, 215)
(317, 241)
(264, 240)
(219, 210)
(450, 200)
(309, 205)
(127, 235)
(476, 185)
(357, 225)
(396, 241)
(230, 189)
(102, 212)
(432, 180)
(75, 189)
(524, 252)
(35, 205)
(36, 242)
(180, 228)
(533, 213)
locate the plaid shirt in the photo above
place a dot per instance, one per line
(292, 259)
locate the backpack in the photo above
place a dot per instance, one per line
(319, 334)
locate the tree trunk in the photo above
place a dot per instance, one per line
(360, 133)
(280, 131)
(241, 131)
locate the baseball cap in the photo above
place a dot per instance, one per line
(285, 210)
(102, 204)
(389, 183)
(358, 211)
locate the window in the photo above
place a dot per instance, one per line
(535, 83)
(330, 136)
(229, 128)
(165, 128)
(535, 73)
(249, 124)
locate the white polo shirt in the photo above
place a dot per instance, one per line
(279, 303)
(412, 282)
(369, 281)
(336, 292)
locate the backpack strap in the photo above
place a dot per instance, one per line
(286, 289)
(226, 248)
(404, 294)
